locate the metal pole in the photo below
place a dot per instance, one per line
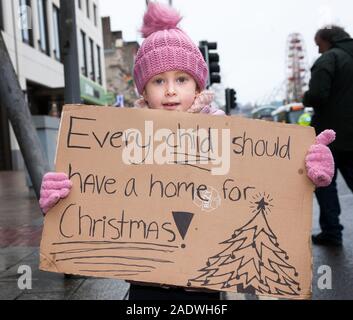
(12, 98)
(68, 32)
(227, 106)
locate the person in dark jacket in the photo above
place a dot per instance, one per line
(331, 95)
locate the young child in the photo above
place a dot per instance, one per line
(171, 74)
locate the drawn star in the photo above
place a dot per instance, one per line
(262, 204)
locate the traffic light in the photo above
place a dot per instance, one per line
(231, 100)
(212, 60)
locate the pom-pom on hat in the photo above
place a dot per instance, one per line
(166, 48)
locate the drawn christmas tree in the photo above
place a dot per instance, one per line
(252, 261)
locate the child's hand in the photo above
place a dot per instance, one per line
(319, 161)
(55, 186)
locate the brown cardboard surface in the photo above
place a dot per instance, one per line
(246, 229)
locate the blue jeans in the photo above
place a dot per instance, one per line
(327, 197)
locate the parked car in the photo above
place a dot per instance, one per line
(291, 113)
(263, 113)
(294, 113)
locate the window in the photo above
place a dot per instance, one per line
(95, 14)
(43, 26)
(93, 70)
(56, 28)
(1, 17)
(99, 65)
(26, 21)
(87, 8)
(83, 54)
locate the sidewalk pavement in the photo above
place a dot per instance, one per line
(20, 232)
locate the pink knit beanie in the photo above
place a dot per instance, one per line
(166, 48)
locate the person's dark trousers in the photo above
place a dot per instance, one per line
(138, 292)
(327, 197)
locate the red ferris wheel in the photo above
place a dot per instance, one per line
(296, 68)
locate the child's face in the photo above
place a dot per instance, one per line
(171, 90)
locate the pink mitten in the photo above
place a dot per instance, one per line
(55, 186)
(202, 100)
(319, 161)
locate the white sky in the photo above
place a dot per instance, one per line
(251, 34)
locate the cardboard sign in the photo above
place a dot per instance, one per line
(197, 201)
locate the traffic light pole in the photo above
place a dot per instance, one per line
(227, 107)
(12, 98)
(231, 100)
(68, 32)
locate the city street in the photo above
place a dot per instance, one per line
(20, 233)
(69, 73)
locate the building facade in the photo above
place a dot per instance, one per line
(119, 62)
(31, 30)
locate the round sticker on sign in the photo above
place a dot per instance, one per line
(208, 200)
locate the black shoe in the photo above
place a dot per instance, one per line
(322, 239)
